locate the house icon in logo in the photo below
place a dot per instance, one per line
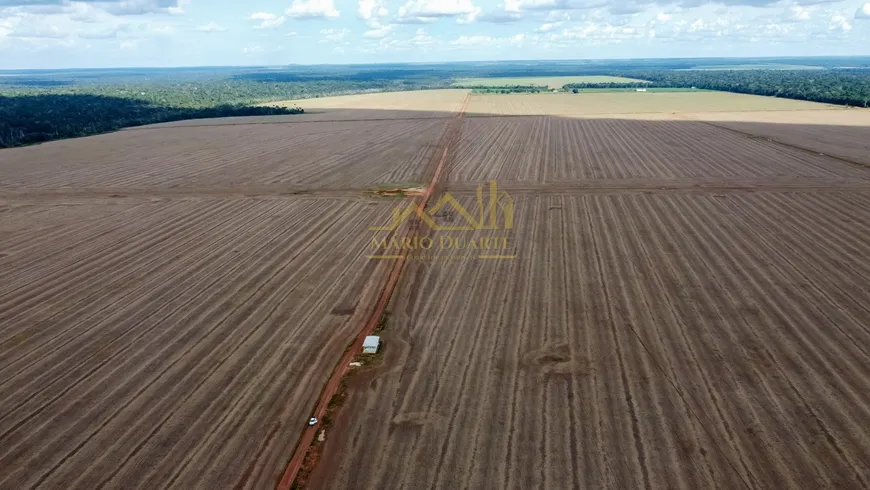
(486, 217)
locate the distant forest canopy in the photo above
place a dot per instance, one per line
(28, 119)
(42, 105)
(844, 87)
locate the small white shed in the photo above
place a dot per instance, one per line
(370, 344)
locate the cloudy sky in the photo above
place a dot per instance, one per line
(112, 33)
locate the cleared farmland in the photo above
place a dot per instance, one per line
(418, 104)
(562, 104)
(389, 105)
(687, 307)
(842, 133)
(235, 158)
(173, 343)
(554, 150)
(640, 341)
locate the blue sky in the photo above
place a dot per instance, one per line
(65, 34)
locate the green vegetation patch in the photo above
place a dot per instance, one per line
(653, 89)
(758, 66)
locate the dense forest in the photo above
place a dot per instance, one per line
(42, 105)
(844, 87)
(28, 119)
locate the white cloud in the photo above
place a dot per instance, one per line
(414, 20)
(210, 27)
(797, 13)
(593, 33)
(557, 16)
(549, 26)
(106, 32)
(140, 7)
(472, 40)
(532, 5)
(663, 17)
(159, 30)
(38, 32)
(863, 12)
(431, 10)
(500, 17)
(481, 41)
(88, 9)
(379, 32)
(420, 40)
(369, 9)
(252, 49)
(266, 20)
(469, 17)
(86, 13)
(333, 35)
(839, 22)
(312, 9)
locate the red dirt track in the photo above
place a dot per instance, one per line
(341, 369)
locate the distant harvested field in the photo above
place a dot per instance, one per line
(415, 104)
(172, 343)
(641, 341)
(658, 149)
(387, 105)
(844, 134)
(232, 158)
(630, 102)
(552, 82)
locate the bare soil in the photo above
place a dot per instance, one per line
(687, 305)
(324, 155)
(172, 343)
(637, 341)
(841, 133)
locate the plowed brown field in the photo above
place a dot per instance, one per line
(173, 343)
(641, 341)
(232, 158)
(550, 149)
(844, 134)
(686, 306)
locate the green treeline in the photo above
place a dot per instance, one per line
(572, 86)
(34, 110)
(504, 89)
(38, 106)
(844, 87)
(28, 119)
